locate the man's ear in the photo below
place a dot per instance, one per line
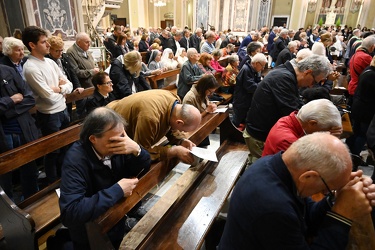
(32, 45)
(180, 122)
(92, 139)
(308, 176)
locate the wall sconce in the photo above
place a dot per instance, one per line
(311, 5)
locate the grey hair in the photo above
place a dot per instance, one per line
(316, 152)
(260, 57)
(292, 44)
(99, 121)
(233, 58)
(209, 34)
(190, 52)
(284, 32)
(303, 53)
(9, 43)
(367, 43)
(319, 65)
(81, 35)
(323, 111)
(217, 52)
(198, 30)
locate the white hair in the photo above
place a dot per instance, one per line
(292, 44)
(320, 152)
(190, 52)
(303, 53)
(9, 43)
(259, 57)
(323, 111)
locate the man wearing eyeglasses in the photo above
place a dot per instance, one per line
(271, 208)
(277, 96)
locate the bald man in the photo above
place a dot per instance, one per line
(276, 211)
(153, 114)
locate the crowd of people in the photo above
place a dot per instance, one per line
(281, 129)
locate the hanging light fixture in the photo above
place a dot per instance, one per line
(159, 3)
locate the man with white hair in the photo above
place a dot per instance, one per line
(360, 60)
(280, 44)
(246, 84)
(276, 210)
(208, 45)
(287, 53)
(277, 96)
(83, 63)
(189, 74)
(195, 40)
(316, 115)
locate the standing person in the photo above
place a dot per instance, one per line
(246, 84)
(280, 44)
(121, 47)
(190, 73)
(278, 95)
(49, 86)
(195, 40)
(17, 127)
(64, 63)
(184, 42)
(143, 44)
(14, 55)
(97, 172)
(102, 93)
(126, 75)
(287, 54)
(284, 216)
(83, 65)
(363, 109)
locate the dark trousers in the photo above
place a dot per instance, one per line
(28, 172)
(51, 123)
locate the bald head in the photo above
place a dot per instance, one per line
(320, 152)
(185, 118)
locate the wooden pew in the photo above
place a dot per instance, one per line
(158, 171)
(154, 78)
(183, 216)
(41, 210)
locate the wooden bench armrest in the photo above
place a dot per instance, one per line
(154, 78)
(75, 95)
(13, 159)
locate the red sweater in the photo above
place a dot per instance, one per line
(360, 60)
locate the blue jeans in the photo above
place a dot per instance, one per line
(28, 172)
(51, 123)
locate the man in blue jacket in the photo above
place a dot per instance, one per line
(97, 172)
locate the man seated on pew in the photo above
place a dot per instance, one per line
(277, 96)
(99, 170)
(317, 115)
(153, 114)
(189, 74)
(276, 211)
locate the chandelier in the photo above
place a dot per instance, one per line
(159, 3)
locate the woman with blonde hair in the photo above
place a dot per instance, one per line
(126, 75)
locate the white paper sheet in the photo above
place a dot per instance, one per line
(204, 154)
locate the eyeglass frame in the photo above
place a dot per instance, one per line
(107, 83)
(330, 191)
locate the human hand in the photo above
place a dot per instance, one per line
(62, 81)
(183, 154)
(187, 144)
(157, 72)
(352, 193)
(79, 90)
(127, 185)
(17, 98)
(333, 75)
(211, 107)
(123, 145)
(336, 131)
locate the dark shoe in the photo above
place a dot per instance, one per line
(139, 213)
(130, 223)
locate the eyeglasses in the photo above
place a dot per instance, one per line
(262, 65)
(331, 193)
(108, 83)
